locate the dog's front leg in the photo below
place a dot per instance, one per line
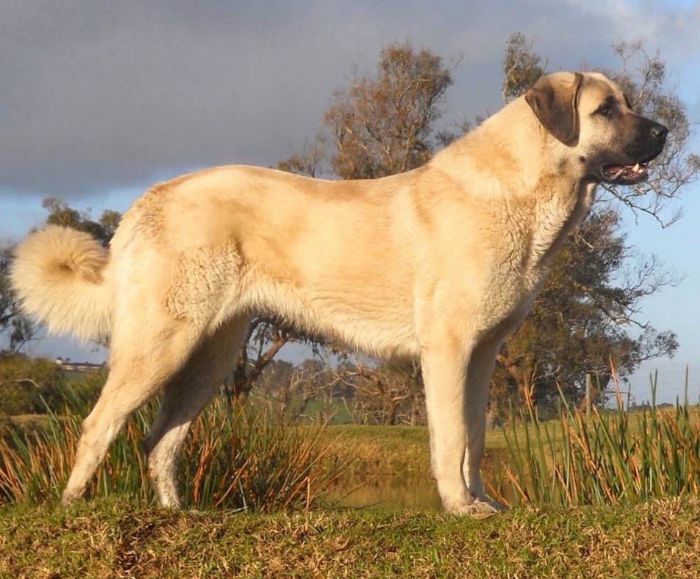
(444, 364)
(479, 370)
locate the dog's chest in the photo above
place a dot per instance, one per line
(537, 231)
(510, 296)
(518, 272)
(524, 254)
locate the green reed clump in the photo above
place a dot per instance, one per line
(607, 457)
(235, 457)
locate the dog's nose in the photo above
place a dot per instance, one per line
(659, 132)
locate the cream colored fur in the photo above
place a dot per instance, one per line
(440, 263)
(58, 273)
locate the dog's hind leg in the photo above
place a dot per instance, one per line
(144, 357)
(183, 399)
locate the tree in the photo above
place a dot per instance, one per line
(582, 320)
(296, 390)
(389, 393)
(589, 310)
(521, 66)
(588, 313)
(309, 162)
(60, 213)
(380, 125)
(266, 337)
(385, 124)
(642, 76)
(263, 342)
(15, 328)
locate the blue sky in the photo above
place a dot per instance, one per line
(100, 99)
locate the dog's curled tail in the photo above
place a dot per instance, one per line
(59, 276)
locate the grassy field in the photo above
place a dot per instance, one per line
(115, 538)
(399, 531)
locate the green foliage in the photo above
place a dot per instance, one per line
(60, 213)
(30, 385)
(40, 386)
(15, 328)
(234, 458)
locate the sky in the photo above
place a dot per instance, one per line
(99, 100)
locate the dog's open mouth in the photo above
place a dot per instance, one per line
(619, 174)
(625, 174)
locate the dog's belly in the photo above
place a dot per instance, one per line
(365, 308)
(360, 320)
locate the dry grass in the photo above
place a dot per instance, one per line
(119, 539)
(234, 458)
(609, 457)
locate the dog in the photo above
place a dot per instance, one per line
(440, 263)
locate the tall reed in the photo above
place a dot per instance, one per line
(235, 457)
(607, 457)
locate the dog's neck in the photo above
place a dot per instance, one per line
(511, 148)
(537, 176)
(558, 198)
(557, 211)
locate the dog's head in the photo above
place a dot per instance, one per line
(590, 114)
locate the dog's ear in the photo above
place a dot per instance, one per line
(554, 98)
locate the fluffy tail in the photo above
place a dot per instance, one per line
(58, 274)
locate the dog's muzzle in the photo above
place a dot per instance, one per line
(650, 141)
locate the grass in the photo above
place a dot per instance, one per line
(234, 458)
(398, 450)
(115, 537)
(121, 533)
(612, 456)
(609, 457)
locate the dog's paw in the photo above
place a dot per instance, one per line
(69, 497)
(488, 506)
(478, 508)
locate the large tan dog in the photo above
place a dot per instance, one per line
(439, 263)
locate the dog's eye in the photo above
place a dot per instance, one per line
(604, 111)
